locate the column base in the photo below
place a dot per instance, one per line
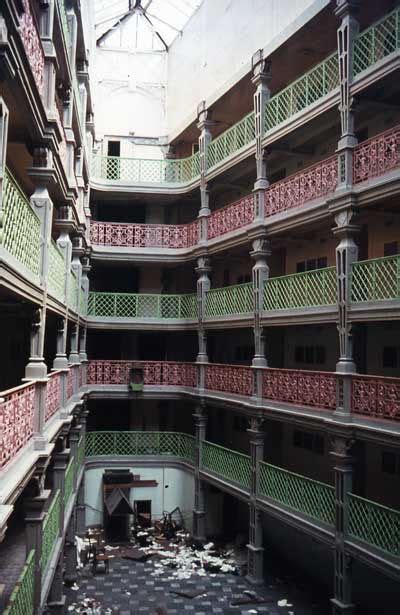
(39, 443)
(60, 362)
(36, 369)
(202, 358)
(341, 607)
(199, 533)
(57, 606)
(346, 366)
(255, 561)
(83, 357)
(259, 361)
(74, 358)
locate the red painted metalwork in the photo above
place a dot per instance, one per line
(32, 44)
(303, 387)
(376, 397)
(16, 420)
(311, 183)
(236, 379)
(70, 382)
(144, 235)
(53, 394)
(377, 155)
(163, 373)
(233, 216)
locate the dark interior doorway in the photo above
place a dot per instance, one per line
(143, 512)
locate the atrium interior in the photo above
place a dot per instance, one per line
(200, 307)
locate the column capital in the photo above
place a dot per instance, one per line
(261, 69)
(204, 121)
(203, 265)
(255, 430)
(261, 248)
(342, 448)
(347, 7)
(344, 222)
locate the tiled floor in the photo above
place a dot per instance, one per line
(130, 589)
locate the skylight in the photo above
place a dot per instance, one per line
(167, 18)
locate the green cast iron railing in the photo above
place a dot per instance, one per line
(20, 227)
(306, 90)
(377, 279)
(227, 463)
(132, 305)
(299, 290)
(138, 170)
(302, 494)
(56, 274)
(376, 42)
(68, 483)
(176, 444)
(22, 598)
(232, 140)
(50, 532)
(237, 299)
(374, 524)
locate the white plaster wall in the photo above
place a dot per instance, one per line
(217, 44)
(175, 488)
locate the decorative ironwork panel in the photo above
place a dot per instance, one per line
(374, 524)
(53, 394)
(233, 216)
(232, 140)
(21, 227)
(312, 183)
(307, 496)
(226, 463)
(235, 379)
(166, 373)
(376, 397)
(302, 387)
(50, 532)
(376, 279)
(377, 155)
(129, 305)
(144, 235)
(377, 42)
(70, 382)
(299, 290)
(236, 299)
(17, 413)
(139, 170)
(56, 275)
(32, 44)
(22, 598)
(68, 483)
(303, 92)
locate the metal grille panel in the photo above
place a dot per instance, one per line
(300, 290)
(22, 599)
(50, 532)
(236, 299)
(374, 524)
(232, 140)
(227, 463)
(378, 41)
(376, 280)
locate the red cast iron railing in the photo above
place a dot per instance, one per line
(312, 183)
(32, 44)
(376, 397)
(236, 379)
(144, 235)
(154, 372)
(377, 155)
(231, 217)
(303, 387)
(17, 412)
(53, 394)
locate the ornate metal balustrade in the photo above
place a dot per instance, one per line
(301, 290)
(144, 235)
(17, 413)
(376, 279)
(303, 387)
(236, 299)
(68, 483)
(236, 379)
(53, 394)
(20, 232)
(374, 524)
(144, 171)
(227, 463)
(232, 140)
(70, 382)
(22, 598)
(231, 217)
(142, 306)
(304, 495)
(50, 532)
(56, 275)
(32, 44)
(72, 294)
(170, 443)
(166, 373)
(312, 183)
(377, 42)
(375, 397)
(306, 90)
(377, 155)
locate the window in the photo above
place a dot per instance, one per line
(390, 357)
(390, 463)
(244, 353)
(312, 263)
(308, 441)
(310, 355)
(391, 248)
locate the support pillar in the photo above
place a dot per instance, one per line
(81, 510)
(61, 361)
(203, 270)
(346, 11)
(204, 124)
(61, 460)
(74, 352)
(34, 517)
(70, 554)
(343, 468)
(46, 23)
(261, 78)
(255, 551)
(56, 600)
(260, 273)
(4, 115)
(74, 436)
(199, 512)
